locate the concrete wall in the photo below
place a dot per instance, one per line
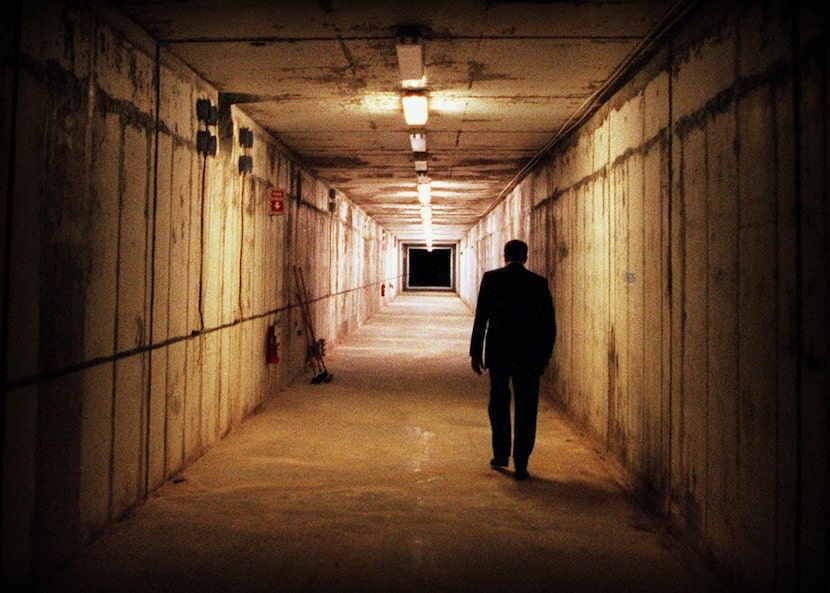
(684, 230)
(140, 276)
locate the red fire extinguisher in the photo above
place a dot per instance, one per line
(383, 290)
(272, 350)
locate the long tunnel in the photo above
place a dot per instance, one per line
(226, 368)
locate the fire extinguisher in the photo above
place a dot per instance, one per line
(383, 290)
(272, 350)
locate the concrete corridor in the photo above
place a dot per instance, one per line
(379, 481)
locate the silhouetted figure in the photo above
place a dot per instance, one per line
(515, 314)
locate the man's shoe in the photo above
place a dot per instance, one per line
(497, 463)
(521, 474)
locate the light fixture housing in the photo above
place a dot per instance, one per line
(427, 226)
(424, 193)
(415, 109)
(421, 162)
(410, 52)
(410, 63)
(418, 141)
(427, 229)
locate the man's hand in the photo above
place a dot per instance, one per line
(475, 362)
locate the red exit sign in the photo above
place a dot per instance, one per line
(276, 201)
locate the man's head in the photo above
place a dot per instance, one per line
(515, 251)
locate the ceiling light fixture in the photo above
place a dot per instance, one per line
(427, 224)
(421, 162)
(415, 110)
(410, 57)
(424, 193)
(411, 64)
(418, 141)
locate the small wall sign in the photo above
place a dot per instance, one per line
(276, 202)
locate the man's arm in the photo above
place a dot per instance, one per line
(479, 326)
(548, 321)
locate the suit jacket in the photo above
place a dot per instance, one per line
(515, 322)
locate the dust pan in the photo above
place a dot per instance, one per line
(323, 377)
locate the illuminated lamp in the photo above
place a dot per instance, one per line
(415, 110)
(424, 193)
(418, 141)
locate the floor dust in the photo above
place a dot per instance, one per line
(380, 481)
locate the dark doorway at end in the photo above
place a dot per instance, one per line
(429, 269)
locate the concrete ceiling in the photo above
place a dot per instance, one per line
(505, 79)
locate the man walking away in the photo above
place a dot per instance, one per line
(515, 329)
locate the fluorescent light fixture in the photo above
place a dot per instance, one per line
(410, 62)
(421, 162)
(415, 109)
(428, 234)
(424, 193)
(418, 141)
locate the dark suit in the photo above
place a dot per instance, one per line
(515, 328)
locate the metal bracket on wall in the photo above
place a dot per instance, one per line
(207, 113)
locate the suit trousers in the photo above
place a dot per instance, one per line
(526, 405)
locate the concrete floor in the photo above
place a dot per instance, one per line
(380, 481)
